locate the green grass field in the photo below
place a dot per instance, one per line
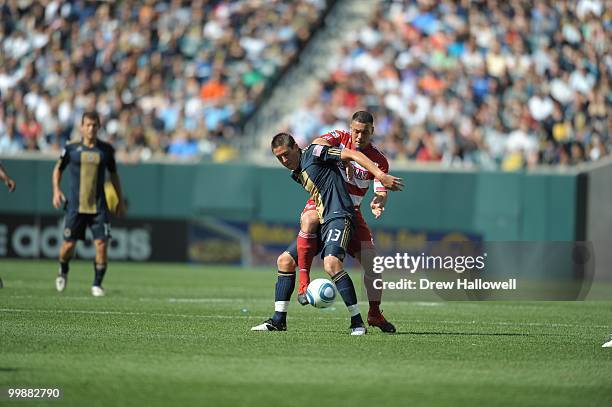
(179, 335)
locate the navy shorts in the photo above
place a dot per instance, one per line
(75, 224)
(334, 239)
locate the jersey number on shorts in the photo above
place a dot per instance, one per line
(333, 235)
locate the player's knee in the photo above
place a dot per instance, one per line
(332, 265)
(67, 250)
(309, 222)
(285, 262)
(68, 246)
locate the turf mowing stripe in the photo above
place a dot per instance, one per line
(198, 300)
(549, 325)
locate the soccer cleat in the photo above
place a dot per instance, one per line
(60, 282)
(97, 291)
(302, 299)
(607, 344)
(270, 325)
(358, 330)
(378, 320)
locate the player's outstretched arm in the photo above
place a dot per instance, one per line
(6, 179)
(58, 195)
(114, 179)
(389, 181)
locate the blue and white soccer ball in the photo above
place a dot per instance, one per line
(321, 293)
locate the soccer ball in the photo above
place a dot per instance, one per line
(321, 293)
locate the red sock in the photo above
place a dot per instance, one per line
(374, 307)
(307, 248)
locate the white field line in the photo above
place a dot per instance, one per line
(203, 300)
(454, 322)
(45, 311)
(179, 300)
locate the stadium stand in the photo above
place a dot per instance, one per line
(170, 78)
(476, 83)
(479, 83)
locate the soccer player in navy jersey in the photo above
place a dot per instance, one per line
(316, 169)
(86, 161)
(357, 181)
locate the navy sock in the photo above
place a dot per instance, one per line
(345, 287)
(285, 284)
(64, 268)
(356, 320)
(279, 316)
(100, 270)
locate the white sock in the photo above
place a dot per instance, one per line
(353, 309)
(281, 306)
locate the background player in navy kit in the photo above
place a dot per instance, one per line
(87, 162)
(316, 169)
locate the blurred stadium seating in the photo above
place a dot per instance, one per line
(170, 78)
(478, 83)
(475, 83)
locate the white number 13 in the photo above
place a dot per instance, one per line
(333, 235)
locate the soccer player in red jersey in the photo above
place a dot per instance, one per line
(357, 181)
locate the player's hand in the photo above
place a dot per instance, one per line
(392, 183)
(10, 184)
(377, 206)
(58, 199)
(350, 172)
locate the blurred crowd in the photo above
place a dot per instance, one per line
(511, 84)
(171, 78)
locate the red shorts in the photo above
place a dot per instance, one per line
(362, 236)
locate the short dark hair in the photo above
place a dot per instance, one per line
(92, 115)
(283, 139)
(363, 117)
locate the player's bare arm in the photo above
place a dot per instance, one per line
(114, 179)
(389, 181)
(58, 195)
(8, 181)
(324, 142)
(378, 203)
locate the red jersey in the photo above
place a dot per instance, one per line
(359, 179)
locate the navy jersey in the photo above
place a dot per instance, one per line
(87, 170)
(318, 173)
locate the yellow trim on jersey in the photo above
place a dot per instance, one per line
(90, 161)
(310, 186)
(334, 151)
(345, 235)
